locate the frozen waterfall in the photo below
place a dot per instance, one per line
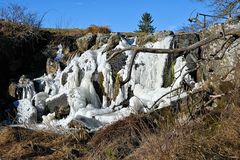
(74, 87)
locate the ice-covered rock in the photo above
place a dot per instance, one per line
(48, 119)
(39, 101)
(26, 113)
(136, 104)
(25, 88)
(81, 121)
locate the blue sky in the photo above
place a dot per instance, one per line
(120, 16)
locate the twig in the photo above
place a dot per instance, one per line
(155, 103)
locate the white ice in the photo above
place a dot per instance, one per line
(76, 81)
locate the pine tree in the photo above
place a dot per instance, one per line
(145, 24)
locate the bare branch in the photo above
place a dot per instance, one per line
(196, 45)
(129, 69)
(157, 101)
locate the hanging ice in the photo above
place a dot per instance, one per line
(74, 86)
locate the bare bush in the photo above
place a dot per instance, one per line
(19, 14)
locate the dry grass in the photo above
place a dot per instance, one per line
(122, 138)
(213, 134)
(76, 32)
(20, 143)
(97, 29)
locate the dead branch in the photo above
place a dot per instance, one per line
(156, 102)
(224, 47)
(196, 45)
(129, 69)
(229, 72)
(180, 51)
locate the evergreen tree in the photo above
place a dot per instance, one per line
(145, 24)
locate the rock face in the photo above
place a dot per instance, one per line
(86, 42)
(113, 41)
(74, 91)
(181, 40)
(222, 60)
(101, 40)
(20, 53)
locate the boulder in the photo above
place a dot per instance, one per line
(86, 42)
(55, 102)
(84, 122)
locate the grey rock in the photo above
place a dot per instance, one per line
(81, 121)
(56, 102)
(101, 40)
(113, 41)
(86, 42)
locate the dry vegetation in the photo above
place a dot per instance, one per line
(79, 32)
(20, 143)
(214, 133)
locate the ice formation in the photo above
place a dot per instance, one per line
(75, 83)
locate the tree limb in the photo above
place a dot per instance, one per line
(196, 45)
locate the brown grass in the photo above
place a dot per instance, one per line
(97, 29)
(121, 138)
(20, 143)
(76, 32)
(212, 134)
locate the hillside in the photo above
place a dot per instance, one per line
(93, 94)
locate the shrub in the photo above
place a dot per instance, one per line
(19, 14)
(97, 29)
